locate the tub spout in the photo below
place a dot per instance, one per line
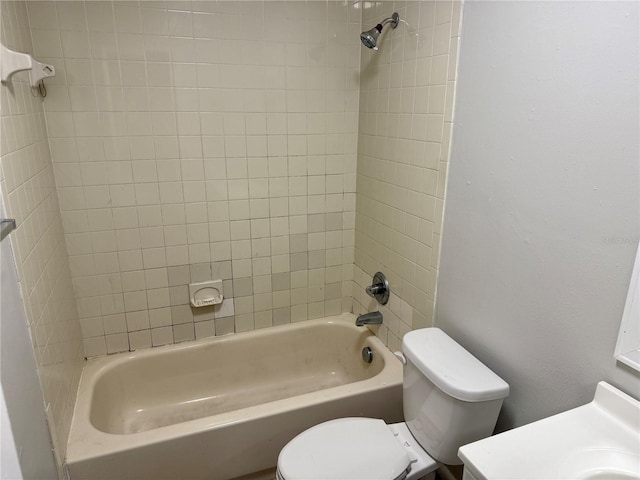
(371, 318)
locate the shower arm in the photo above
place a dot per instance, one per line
(393, 20)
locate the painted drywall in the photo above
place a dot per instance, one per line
(541, 222)
(9, 464)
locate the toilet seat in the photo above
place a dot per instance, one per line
(345, 449)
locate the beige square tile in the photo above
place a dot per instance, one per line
(244, 323)
(262, 284)
(162, 336)
(140, 339)
(282, 316)
(137, 320)
(159, 317)
(262, 301)
(117, 343)
(181, 314)
(280, 245)
(315, 310)
(298, 261)
(243, 287)
(221, 270)
(205, 329)
(135, 301)
(263, 319)
(158, 298)
(299, 279)
(224, 326)
(299, 313)
(183, 332)
(95, 346)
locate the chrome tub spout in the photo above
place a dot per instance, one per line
(371, 318)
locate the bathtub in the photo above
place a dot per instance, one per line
(223, 407)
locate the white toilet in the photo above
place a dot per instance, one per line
(450, 399)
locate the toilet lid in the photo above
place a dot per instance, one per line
(344, 449)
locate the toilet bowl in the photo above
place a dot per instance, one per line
(450, 399)
(355, 449)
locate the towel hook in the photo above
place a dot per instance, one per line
(42, 89)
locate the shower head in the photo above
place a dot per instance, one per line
(370, 38)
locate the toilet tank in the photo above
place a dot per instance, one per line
(450, 398)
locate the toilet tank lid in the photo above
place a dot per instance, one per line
(451, 368)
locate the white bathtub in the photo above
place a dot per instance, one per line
(223, 407)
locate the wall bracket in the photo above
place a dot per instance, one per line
(7, 225)
(12, 62)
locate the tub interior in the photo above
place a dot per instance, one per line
(203, 379)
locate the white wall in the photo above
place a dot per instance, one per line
(9, 463)
(541, 222)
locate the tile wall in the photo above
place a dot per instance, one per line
(406, 110)
(202, 140)
(29, 195)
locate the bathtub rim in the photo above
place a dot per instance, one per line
(87, 442)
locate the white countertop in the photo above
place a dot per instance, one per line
(598, 440)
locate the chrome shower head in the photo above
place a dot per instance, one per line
(370, 38)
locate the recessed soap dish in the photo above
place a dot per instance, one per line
(204, 294)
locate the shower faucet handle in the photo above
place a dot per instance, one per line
(373, 290)
(379, 289)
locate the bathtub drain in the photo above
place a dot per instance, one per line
(367, 354)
